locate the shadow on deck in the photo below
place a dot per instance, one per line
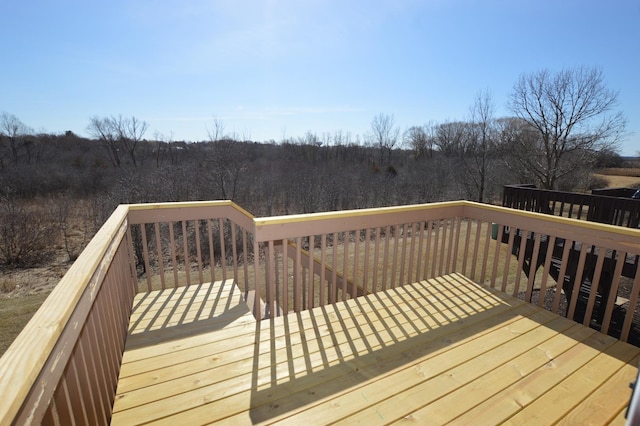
(416, 350)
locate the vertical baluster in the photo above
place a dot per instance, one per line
(156, 227)
(333, 294)
(578, 281)
(376, 260)
(367, 247)
(465, 253)
(403, 257)
(524, 237)
(396, 250)
(96, 350)
(505, 274)
(420, 250)
(212, 258)
(78, 391)
(613, 291)
(257, 311)
(310, 287)
(533, 267)
(89, 394)
(385, 262)
(132, 260)
(323, 267)
(285, 276)
(425, 273)
(269, 280)
(485, 257)
(456, 246)
(297, 284)
(580, 208)
(446, 244)
(496, 256)
(356, 264)
(245, 259)
(595, 281)
(145, 254)
(106, 342)
(551, 243)
(412, 253)
(234, 251)
(475, 256)
(185, 248)
(633, 301)
(198, 250)
(345, 263)
(436, 242)
(223, 250)
(174, 262)
(65, 413)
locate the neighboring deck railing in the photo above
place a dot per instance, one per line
(64, 366)
(612, 206)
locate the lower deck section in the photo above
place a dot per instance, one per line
(436, 351)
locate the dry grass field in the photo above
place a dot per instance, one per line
(617, 178)
(14, 314)
(620, 181)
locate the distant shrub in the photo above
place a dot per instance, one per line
(596, 182)
(25, 235)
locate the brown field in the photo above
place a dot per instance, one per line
(622, 172)
(618, 181)
(14, 314)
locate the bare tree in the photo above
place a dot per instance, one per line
(103, 130)
(228, 161)
(571, 112)
(514, 139)
(118, 133)
(15, 132)
(384, 134)
(481, 143)
(130, 132)
(216, 132)
(450, 137)
(421, 140)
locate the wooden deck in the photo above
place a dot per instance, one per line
(436, 351)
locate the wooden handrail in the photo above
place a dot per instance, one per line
(32, 366)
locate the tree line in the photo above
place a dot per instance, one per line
(562, 126)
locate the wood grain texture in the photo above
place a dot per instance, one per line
(435, 351)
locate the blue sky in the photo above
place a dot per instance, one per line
(274, 69)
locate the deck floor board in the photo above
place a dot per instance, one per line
(433, 351)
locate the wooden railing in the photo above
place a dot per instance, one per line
(64, 366)
(604, 206)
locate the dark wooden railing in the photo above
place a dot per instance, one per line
(604, 206)
(574, 265)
